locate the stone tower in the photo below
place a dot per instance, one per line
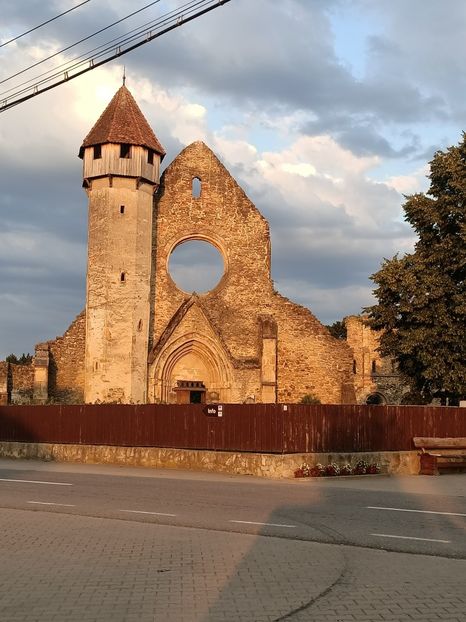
(121, 169)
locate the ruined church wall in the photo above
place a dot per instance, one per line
(226, 378)
(374, 374)
(364, 342)
(66, 366)
(224, 216)
(4, 388)
(22, 383)
(16, 383)
(309, 360)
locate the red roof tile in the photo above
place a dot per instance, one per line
(122, 122)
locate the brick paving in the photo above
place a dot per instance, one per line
(397, 587)
(58, 567)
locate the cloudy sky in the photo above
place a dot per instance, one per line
(325, 111)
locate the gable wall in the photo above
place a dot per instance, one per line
(309, 360)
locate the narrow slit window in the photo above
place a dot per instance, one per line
(150, 157)
(97, 152)
(122, 209)
(354, 366)
(139, 325)
(196, 188)
(374, 367)
(122, 277)
(125, 150)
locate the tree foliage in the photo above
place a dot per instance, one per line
(309, 398)
(24, 359)
(422, 296)
(337, 329)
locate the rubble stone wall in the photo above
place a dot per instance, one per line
(22, 383)
(66, 367)
(309, 359)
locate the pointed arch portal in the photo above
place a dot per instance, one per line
(191, 359)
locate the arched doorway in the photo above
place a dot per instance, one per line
(376, 399)
(190, 370)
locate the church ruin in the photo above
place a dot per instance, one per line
(141, 339)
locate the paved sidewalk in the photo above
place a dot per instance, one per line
(399, 587)
(70, 568)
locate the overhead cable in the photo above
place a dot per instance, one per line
(103, 49)
(184, 14)
(18, 73)
(43, 23)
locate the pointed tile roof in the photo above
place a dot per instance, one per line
(122, 122)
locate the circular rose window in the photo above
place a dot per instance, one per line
(196, 266)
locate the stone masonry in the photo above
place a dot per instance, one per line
(376, 379)
(249, 342)
(141, 338)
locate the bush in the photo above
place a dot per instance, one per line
(309, 398)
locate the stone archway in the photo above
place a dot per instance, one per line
(190, 358)
(376, 399)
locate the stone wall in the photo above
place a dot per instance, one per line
(66, 365)
(308, 358)
(118, 284)
(22, 383)
(16, 383)
(4, 384)
(311, 361)
(375, 377)
(257, 464)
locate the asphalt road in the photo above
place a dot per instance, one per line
(89, 542)
(425, 515)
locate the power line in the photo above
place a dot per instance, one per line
(101, 50)
(43, 23)
(172, 20)
(78, 42)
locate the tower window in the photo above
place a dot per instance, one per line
(355, 368)
(122, 209)
(125, 150)
(97, 152)
(123, 277)
(150, 157)
(196, 188)
(139, 325)
(374, 367)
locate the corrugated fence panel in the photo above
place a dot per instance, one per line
(268, 428)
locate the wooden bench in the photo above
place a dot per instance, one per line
(440, 453)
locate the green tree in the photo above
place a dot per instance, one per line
(337, 329)
(422, 296)
(24, 359)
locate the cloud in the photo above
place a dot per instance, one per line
(323, 150)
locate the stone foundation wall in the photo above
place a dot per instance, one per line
(261, 465)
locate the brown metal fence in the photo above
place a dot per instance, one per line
(266, 428)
